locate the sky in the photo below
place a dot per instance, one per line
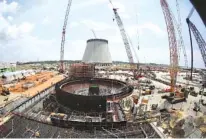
(31, 30)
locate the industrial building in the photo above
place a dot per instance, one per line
(120, 101)
(97, 52)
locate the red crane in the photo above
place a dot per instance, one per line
(63, 37)
(172, 44)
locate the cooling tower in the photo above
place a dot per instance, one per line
(97, 51)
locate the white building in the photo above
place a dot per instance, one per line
(10, 76)
(7, 65)
(97, 51)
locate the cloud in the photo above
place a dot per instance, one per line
(132, 30)
(4, 23)
(75, 49)
(98, 26)
(74, 24)
(8, 8)
(115, 39)
(125, 16)
(29, 48)
(15, 32)
(155, 28)
(10, 18)
(46, 21)
(26, 27)
(87, 3)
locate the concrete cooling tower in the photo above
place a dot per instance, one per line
(97, 51)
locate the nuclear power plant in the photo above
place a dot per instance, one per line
(97, 52)
(95, 97)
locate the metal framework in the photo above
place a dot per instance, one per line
(63, 36)
(124, 37)
(200, 41)
(179, 30)
(172, 43)
(191, 70)
(180, 41)
(22, 127)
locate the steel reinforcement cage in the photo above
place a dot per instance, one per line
(80, 70)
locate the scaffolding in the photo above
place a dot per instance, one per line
(82, 70)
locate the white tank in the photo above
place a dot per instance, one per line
(97, 51)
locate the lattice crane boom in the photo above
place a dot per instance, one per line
(179, 30)
(124, 36)
(200, 41)
(178, 13)
(63, 36)
(172, 43)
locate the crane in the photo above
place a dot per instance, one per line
(172, 44)
(63, 36)
(180, 41)
(190, 14)
(125, 39)
(198, 37)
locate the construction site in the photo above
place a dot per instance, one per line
(97, 98)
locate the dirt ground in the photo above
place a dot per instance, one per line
(37, 79)
(34, 90)
(31, 91)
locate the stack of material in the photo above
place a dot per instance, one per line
(28, 85)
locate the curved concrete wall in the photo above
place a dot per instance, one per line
(88, 103)
(97, 51)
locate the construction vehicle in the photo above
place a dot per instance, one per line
(127, 45)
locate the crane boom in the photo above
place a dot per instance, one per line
(94, 33)
(179, 30)
(178, 13)
(181, 45)
(178, 26)
(172, 43)
(124, 36)
(63, 36)
(200, 41)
